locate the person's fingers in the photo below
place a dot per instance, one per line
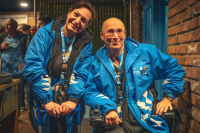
(161, 110)
(120, 121)
(57, 112)
(54, 112)
(63, 110)
(70, 110)
(165, 108)
(170, 107)
(66, 111)
(50, 112)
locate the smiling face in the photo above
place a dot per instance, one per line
(77, 21)
(113, 34)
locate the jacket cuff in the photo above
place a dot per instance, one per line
(73, 99)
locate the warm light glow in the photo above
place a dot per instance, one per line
(24, 4)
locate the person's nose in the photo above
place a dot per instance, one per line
(115, 35)
(77, 21)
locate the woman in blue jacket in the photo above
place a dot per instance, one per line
(60, 53)
(123, 70)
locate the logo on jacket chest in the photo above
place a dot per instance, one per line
(140, 70)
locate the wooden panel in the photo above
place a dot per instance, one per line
(4, 86)
(1, 104)
(9, 99)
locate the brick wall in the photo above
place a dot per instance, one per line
(184, 44)
(137, 20)
(30, 16)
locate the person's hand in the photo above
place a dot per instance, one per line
(53, 109)
(163, 106)
(4, 45)
(68, 107)
(20, 66)
(112, 118)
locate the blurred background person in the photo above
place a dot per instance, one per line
(2, 29)
(43, 20)
(13, 50)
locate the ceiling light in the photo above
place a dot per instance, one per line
(24, 4)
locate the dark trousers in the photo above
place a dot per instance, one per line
(109, 129)
(20, 90)
(58, 125)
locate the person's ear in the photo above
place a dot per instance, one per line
(124, 35)
(101, 35)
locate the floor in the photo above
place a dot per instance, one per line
(26, 127)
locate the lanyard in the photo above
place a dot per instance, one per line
(118, 74)
(65, 54)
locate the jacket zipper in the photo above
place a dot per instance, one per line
(132, 106)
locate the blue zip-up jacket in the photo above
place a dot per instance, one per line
(36, 68)
(101, 83)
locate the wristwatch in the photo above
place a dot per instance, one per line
(170, 98)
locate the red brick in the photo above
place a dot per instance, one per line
(172, 31)
(173, 21)
(174, 102)
(190, 131)
(193, 23)
(195, 113)
(179, 28)
(172, 12)
(188, 60)
(196, 9)
(196, 35)
(186, 84)
(195, 99)
(196, 127)
(171, 50)
(196, 61)
(174, 40)
(192, 2)
(195, 87)
(186, 14)
(182, 127)
(181, 49)
(181, 60)
(198, 21)
(186, 95)
(187, 37)
(185, 26)
(193, 49)
(198, 74)
(185, 119)
(191, 73)
(180, 40)
(182, 6)
(169, 40)
(182, 105)
(192, 124)
(172, 3)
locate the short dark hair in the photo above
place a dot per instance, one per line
(14, 22)
(25, 27)
(46, 19)
(2, 29)
(87, 5)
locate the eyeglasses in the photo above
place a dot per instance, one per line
(111, 33)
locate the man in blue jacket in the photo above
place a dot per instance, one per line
(121, 73)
